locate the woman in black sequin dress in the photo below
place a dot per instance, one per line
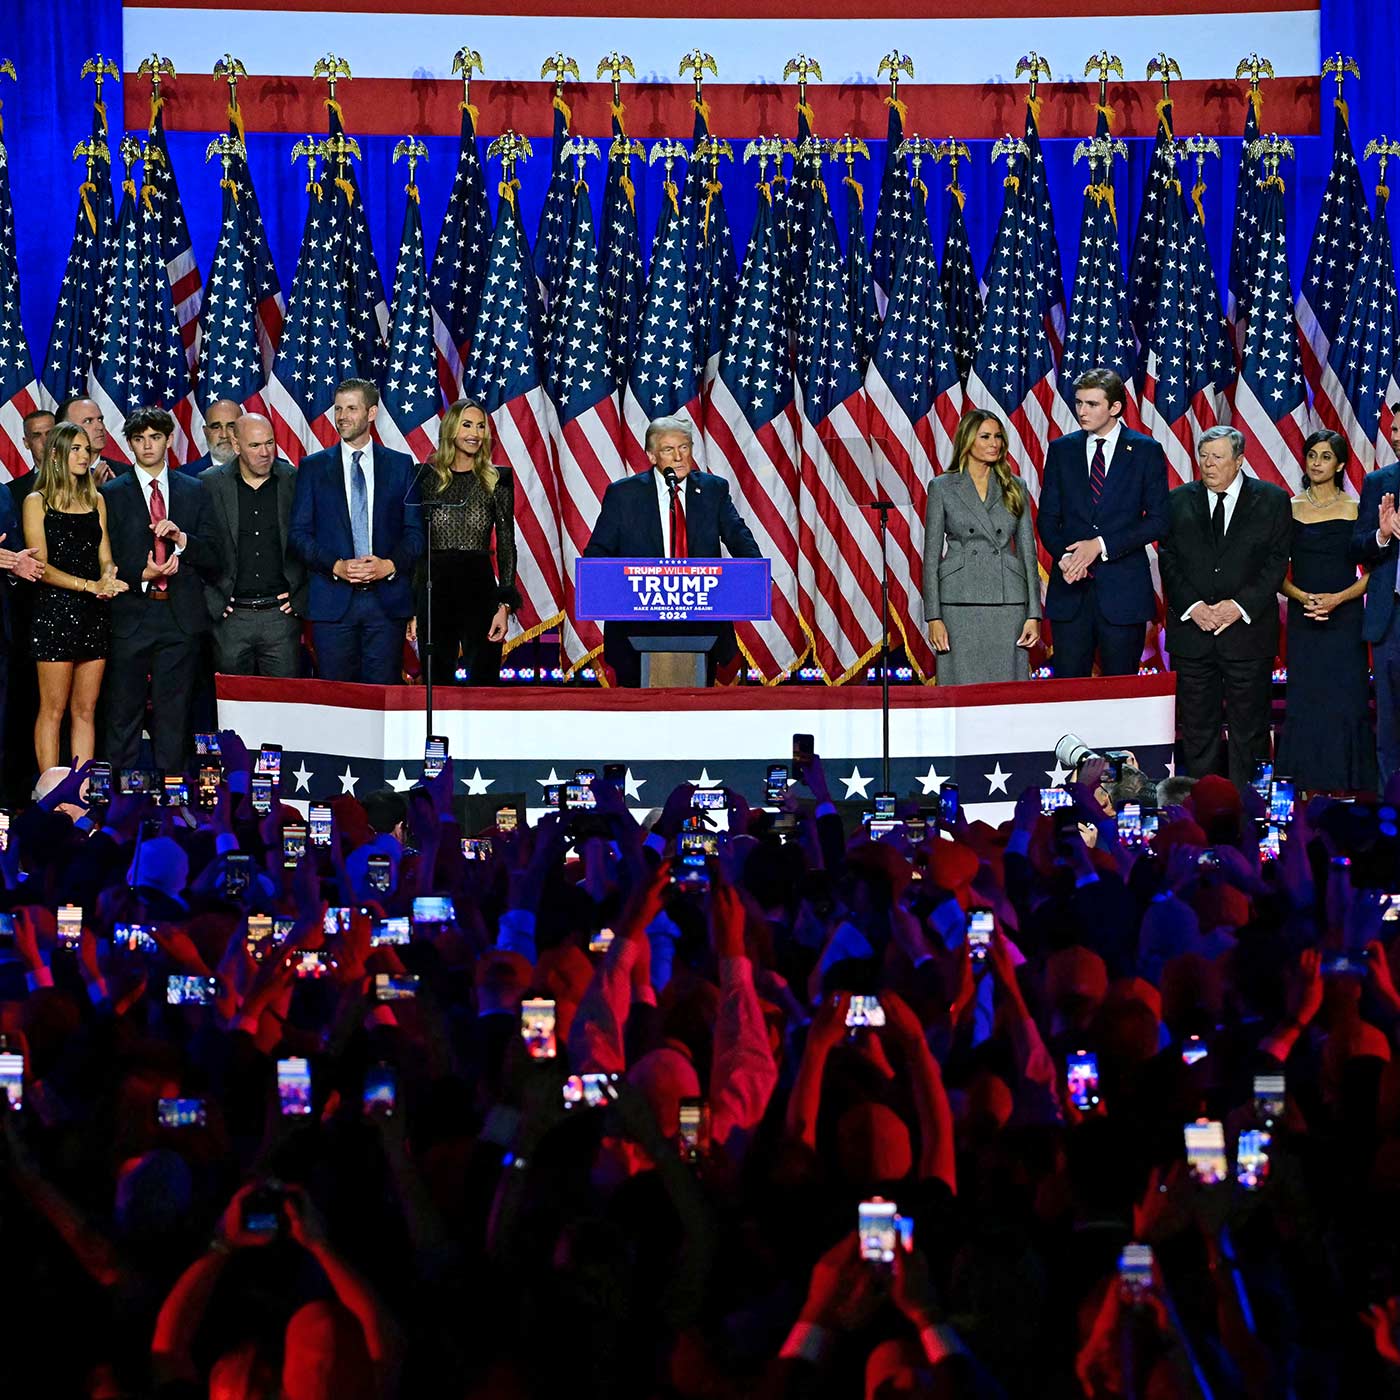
(466, 502)
(65, 523)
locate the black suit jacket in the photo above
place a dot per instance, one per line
(1249, 567)
(629, 522)
(222, 485)
(1130, 515)
(129, 530)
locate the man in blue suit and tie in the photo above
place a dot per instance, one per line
(1373, 544)
(1102, 502)
(360, 537)
(673, 511)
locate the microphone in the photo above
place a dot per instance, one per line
(668, 475)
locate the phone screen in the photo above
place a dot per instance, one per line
(507, 819)
(434, 755)
(579, 795)
(775, 784)
(537, 1027)
(269, 762)
(432, 909)
(294, 1086)
(1193, 1050)
(259, 936)
(1269, 1097)
(1252, 1158)
(320, 815)
(615, 773)
(134, 938)
(876, 1222)
(1150, 822)
(883, 808)
(381, 1089)
(1263, 778)
(1269, 842)
(948, 803)
(1281, 801)
(864, 1011)
(1053, 797)
(1205, 1150)
(181, 1113)
(70, 926)
(980, 923)
(600, 941)
(238, 872)
(182, 989)
(589, 1090)
(694, 1124)
(379, 873)
(12, 1077)
(293, 844)
(206, 746)
(389, 986)
(311, 964)
(177, 791)
(1082, 1079)
(138, 780)
(1135, 1269)
(394, 931)
(1130, 823)
(261, 794)
(99, 784)
(803, 748)
(209, 778)
(476, 848)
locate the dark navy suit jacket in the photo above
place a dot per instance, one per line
(1380, 587)
(320, 530)
(1130, 515)
(629, 523)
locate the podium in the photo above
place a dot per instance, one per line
(676, 607)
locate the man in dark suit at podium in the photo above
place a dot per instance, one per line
(673, 511)
(1103, 502)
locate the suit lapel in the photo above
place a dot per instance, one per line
(1119, 468)
(977, 507)
(226, 499)
(1248, 495)
(335, 472)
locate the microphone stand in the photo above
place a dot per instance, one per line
(884, 507)
(425, 642)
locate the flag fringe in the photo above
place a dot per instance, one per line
(896, 105)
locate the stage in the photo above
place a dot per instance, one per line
(993, 740)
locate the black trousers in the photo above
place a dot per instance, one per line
(267, 643)
(1240, 690)
(464, 602)
(1119, 644)
(160, 657)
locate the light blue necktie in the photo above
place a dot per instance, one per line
(359, 507)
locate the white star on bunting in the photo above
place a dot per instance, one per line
(856, 785)
(402, 783)
(476, 785)
(997, 780)
(933, 780)
(303, 777)
(348, 781)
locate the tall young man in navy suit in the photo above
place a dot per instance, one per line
(353, 524)
(1102, 502)
(1373, 544)
(671, 511)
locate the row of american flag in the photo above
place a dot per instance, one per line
(818, 380)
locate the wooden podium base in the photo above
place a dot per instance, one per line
(673, 670)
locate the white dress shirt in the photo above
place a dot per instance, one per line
(145, 480)
(1110, 441)
(1232, 498)
(663, 503)
(367, 466)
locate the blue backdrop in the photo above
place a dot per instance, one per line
(49, 111)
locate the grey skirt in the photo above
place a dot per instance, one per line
(982, 645)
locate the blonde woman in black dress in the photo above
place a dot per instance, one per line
(65, 523)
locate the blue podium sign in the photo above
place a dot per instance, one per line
(673, 590)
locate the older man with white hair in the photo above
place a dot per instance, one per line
(674, 511)
(260, 596)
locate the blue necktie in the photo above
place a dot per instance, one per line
(359, 507)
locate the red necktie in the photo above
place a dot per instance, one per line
(1098, 471)
(160, 550)
(679, 548)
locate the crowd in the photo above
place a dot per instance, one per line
(736, 1102)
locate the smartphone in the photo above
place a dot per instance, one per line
(99, 784)
(320, 819)
(553, 793)
(1263, 778)
(880, 827)
(379, 873)
(775, 784)
(694, 1128)
(1390, 908)
(537, 1027)
(238, 872)
(476, 848)
(1281, 801)
(432, 909)
(12, 1077)
(709, 800)
(269, 762)
(879, 1233)
(507, 819)
(392, 931)
(260, 794)
(312, 964)
(392, 986)
(381, 1089)
(209, 777)
(1053, 797)
(1208, 860)
(1252, 1158)
(586, 776)
(579, 796)
(882, 809)
(70, 926)
(980, 923)
(1082, 1079)
(336, 923)
(258, 939)
(1269, 842)
(1150, 822)
(615, 773)
(1193, 1050)
(1135, 1271)
(294, 1086)
(434, 755)
(1205, 1150)
(1344, 965)
(1113, 761)
(600, 941)
(134, 938)
(1130, 823)
(916, 828)
(182, 989)
(207, 746)
(864, 1011)
(949, 804)
(695, 847)
(181, 1113)
(176, 791)
(293, 845)
(589, 1090)
(139, 780)
(803, 749)
(262, 1211)
(1268, 1098)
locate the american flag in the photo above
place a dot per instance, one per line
(666, 371)
(915, 399)
(140, 359)
(751, 439)
(1362, 357)
(1271, 400)
(1245, 231)
(230, 355)
(894, 211)
(459, 264)
(957, 283)
(411, 402)
(1338, 238)
(838, 547)
(19, 393)
(714, 268)
(357, 269)
(1100, 333)
(860, 292)
(271, 308)
(1145, 269)
(552, 236)
(503, 375)
(315, 353)
(586, 426)
(620, 259)
(173, 234)
(1040, 216)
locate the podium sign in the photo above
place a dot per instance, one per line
(673, 590)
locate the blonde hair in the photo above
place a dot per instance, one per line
(1013, 491)
(441, 461)
(54, 482)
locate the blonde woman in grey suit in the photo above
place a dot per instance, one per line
(981, 585)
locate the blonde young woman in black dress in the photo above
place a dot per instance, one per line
(65, 523)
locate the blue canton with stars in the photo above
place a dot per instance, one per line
(1338, 236)
(1145, 269)
(895, 212)
(578, 365)
(957, 282)
(230, 360)
(459, 263)
(1272, 366)
(16, 371)
(504, 361)
(411, 393)
(665, 375)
